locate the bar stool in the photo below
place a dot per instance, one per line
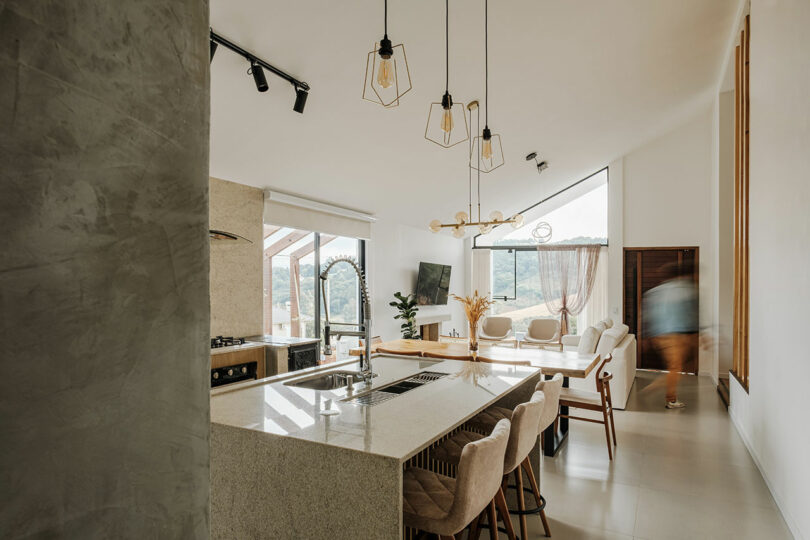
(522, 438)
(489, 417)
(441, 505)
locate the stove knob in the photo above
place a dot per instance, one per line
(230, 372)
(244, 369)
(215, 375)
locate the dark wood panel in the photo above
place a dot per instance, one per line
(644, 270)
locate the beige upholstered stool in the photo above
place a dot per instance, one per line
(444, 506)
(522, 438)
(489, 417)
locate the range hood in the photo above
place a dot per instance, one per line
(227, 237)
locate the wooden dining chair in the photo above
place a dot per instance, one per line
(399, 352)
(445, 356)
(594, 401)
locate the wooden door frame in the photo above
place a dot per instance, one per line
(696, 275)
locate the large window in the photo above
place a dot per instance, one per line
(575, 215)
(292, 292)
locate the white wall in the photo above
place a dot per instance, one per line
(394, 254)
(667, 201)
(772, 417)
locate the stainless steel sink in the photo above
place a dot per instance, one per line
(328, 381)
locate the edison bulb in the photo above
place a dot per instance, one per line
(517, 221)
(447, 120)
(496, 215)
(385, 72)
(461, 217)
(486, 149)
(435, 226)
(458, 232)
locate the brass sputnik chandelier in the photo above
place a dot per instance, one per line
(463, 219)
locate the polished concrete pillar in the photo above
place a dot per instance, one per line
(104, 417)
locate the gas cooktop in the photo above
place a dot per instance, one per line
(220, 341)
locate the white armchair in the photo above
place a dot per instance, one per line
(616, 341)
(496, 330)
(542, 332)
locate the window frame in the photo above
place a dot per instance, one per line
(533, 248)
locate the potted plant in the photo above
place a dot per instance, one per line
(407, 313)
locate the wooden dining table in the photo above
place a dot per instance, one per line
(568, 363)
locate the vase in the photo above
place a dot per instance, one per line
(473, 336)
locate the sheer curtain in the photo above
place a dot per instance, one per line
(567, 276)
(597, 307)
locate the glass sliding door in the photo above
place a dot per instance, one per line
(292, 262)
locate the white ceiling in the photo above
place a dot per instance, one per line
(580, 82)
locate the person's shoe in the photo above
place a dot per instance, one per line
(675, 405)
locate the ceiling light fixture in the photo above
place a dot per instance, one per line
(541, 165)
(440, 128)
(387, 75)
(257, 68)
(463, 220)
(488, 148)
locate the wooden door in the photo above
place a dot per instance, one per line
(643, 271)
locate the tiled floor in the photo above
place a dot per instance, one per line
(676, 474)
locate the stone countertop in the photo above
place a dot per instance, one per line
(234, 348)
(269, 340)
(398, 428)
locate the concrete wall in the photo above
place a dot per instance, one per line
(104, 416)
(772, 416)
(236, 268)
(667, 202)
(395, 252)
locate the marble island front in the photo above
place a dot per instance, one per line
(280, 468)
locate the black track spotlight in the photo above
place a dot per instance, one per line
(300, 100)
(213, 49)
(258, 77)
(541, 165)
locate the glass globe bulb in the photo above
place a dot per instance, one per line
(496, 215)
(461, 217)
(458, 232)
(485, 229)
(435, 226)
(517, 221)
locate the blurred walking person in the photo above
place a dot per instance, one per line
(672, 320)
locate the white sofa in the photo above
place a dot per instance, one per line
(615, 340)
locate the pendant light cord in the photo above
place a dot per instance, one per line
(446, 45)
(386, 18)
(486, 62)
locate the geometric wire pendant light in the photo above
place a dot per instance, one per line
(487, 146)
(441, 125)
(463, 219)
(387, 75)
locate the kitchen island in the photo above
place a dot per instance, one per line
(280, 468)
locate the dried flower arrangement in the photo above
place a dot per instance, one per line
(475, 307)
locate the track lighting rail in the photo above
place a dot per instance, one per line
(218, 39)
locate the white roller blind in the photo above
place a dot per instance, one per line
(286, 215)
